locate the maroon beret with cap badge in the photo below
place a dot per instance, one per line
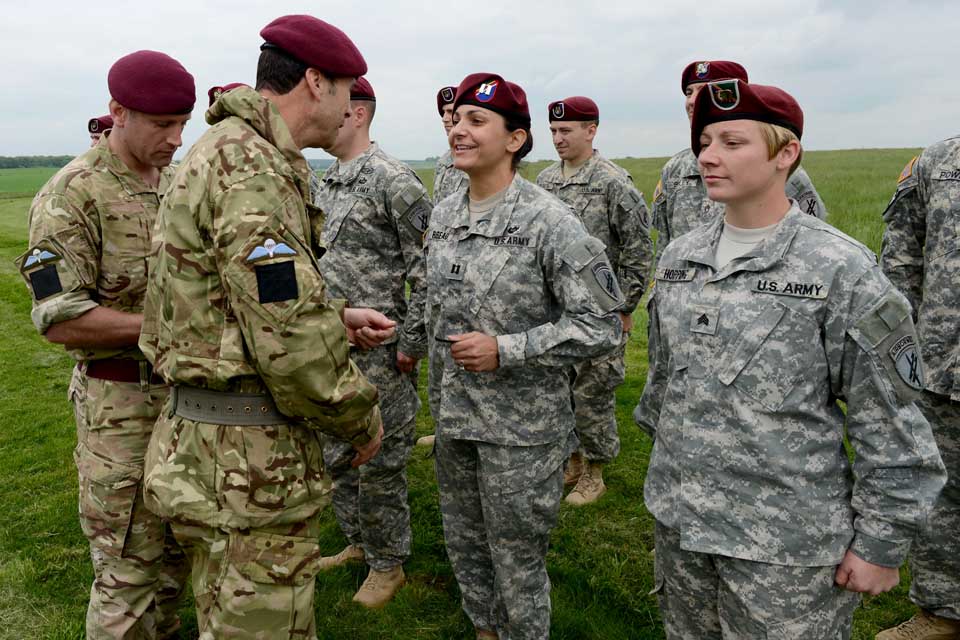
(316, 44)
(215, 92)
(362, 90)
(710, 71)
(490, 91)
(735, 100)
(444, 97)
(574, 108)
(152, 82)
(101, 124)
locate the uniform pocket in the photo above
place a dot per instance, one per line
(125, 248)
(282, 466)
(108, 491)
(831, 621)
(272, 559)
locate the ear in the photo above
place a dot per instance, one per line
(516, 140)
(316, 82)
(119, 114)
(788, 155)
(591, 132)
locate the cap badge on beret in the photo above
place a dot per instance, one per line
(447, 93)
(725, 94)
(558, 110)
(703, 68)
(486, 91)
(94, 125)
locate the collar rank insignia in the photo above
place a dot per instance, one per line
(447, 94)
(703, 68)
(269, 249)
(39, 256)
(558, 110)
(486, 91)
(725, 94)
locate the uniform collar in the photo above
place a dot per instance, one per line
(133, 184)
(347, 172)
(264, 117)
(583, 175)
(689, 168)
(446, 160)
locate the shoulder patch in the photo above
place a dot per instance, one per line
(908, 170)
(658, 191)
(269, 249)
(907, 361)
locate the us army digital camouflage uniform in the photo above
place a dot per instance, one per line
(680, 202)
(613, 211)
(376, 211)
(530, 275)
(236, 304)
(447, 179)
(754, 496)
(90, 230)
(921, 256)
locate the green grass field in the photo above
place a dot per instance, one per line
(599, 560)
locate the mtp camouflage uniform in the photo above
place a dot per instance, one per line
(612, 210)
(530, 275)
(921, 256)
(753, 493)
(90, 231)
(376, 211)
(236, 305)
(447, 179)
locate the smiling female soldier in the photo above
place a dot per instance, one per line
(517, 292)
(760, 322)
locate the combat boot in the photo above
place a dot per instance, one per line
(590, 486)
(380, 587)
(573, 470)
(350, 553)
(426, 441)
(923, 626)
(486, 634)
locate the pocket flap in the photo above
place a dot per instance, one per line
(273, 559)
(750, 341)
(98, 469)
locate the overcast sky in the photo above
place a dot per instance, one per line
(867, 74)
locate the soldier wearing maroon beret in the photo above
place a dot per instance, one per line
(761, 323)
(96, 127)
(215, 92)
(679, 201)
(612, 209)
(237, 317)
(90, 240)
(518, 293)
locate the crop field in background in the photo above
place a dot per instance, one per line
(599, 560)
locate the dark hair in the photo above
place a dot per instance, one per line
(278, 71)
(587, 123)
(513, 123)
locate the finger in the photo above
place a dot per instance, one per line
(842, 576)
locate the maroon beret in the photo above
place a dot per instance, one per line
(215, 92)
(316, 44)
(710, 71)
(574, 108)
(490, 91)
(361, 90)
(735, 100)
(101, 124)
(152, 82)
(444, 97)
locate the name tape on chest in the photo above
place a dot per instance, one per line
(511, 241)
(676, 275)
(953, 174)
(439, 235)
(811, 290)
(590, 191)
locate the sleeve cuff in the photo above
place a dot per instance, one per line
(512, 349)
(60, 309)
(880, 552)
(413, 348)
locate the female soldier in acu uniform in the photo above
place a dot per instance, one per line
(760, 322)
(517, 291)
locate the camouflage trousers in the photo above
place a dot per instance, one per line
(498, 506)
(370, 502)
(139, 569)
(704, 596)
(253, 583)
(935, 553)
(594, 391)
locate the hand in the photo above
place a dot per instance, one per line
(475, 351)
(627, 322)
(366, 452)
(367, 328)
(405, 364)
(857, 575)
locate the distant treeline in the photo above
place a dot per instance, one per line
(25, 162)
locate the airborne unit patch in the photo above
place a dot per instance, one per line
(725, 94)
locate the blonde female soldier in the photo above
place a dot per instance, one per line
(760, 324)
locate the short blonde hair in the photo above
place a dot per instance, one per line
(777, 138)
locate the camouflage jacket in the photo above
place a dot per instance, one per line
(921, 256)
(612, 210)
(376, 211)
(529, 274)
(447, 179)
(90, 234)
(680, 202)
(747, 366)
